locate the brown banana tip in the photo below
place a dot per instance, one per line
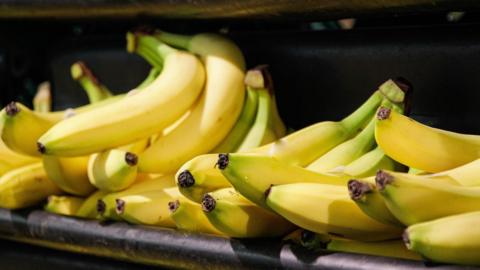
(208, 203)
(173, 206)
(267, 192)
(383, 113)
(406, 239)
(12, 109)
(101, 207)
(41, 148)
(357, 189)
(306, 236)
(131, 159)
(119, 206)
(222, 162)
(186, 179)
(382, 179)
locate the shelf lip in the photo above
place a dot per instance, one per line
(172, 248)
(225, 9)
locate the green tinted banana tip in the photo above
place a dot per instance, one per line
(173, 206)
(119, 206)
(11, 109)
(101, 207)
(208, 203)
(185, 179)
(222, 162)
(131, 42)
(406, 239)
(383, 113)
(382, 179)
(41, 148)
(131, 159)
(357, 189)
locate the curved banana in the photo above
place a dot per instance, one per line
(63, 205)
(189, 216)
(413, 199)
(369, 164)
(10, 159)
(423, 147)
(25, 186)
(453, 239)
(215, 113)
(251, 174)
(465, 175)
(236, 216)
(326, 209)
(42, 101)
(88, 209)
(84, 76)
(145, 113)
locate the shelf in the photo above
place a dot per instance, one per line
(318, 9)
(171, 248)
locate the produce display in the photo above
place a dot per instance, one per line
(200, 146)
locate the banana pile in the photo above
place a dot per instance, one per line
(199, 145)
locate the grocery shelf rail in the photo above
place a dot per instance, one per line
(176, 249)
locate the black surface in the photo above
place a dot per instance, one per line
(170, 248)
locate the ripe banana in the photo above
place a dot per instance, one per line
(306, 145)
(199, 176)
(63, 205)
(25, 186)
(42, 101)
(213, 116)
(453, 239)
(145, 113)
(88, 209)
(422, 147)
(413, 199)
(84, 76)
(370, 163)
(466, 175)
(390, 248)
(148, 208)
(364, 193)
(189, 216)
(251, 174)
(10, 159)
(69, 173)
(235, 216)
(152, 75)
(326, 209)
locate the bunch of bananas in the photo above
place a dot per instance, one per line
(199, 145)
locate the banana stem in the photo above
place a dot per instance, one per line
(96, 91)
(153, 50)
(365, 112)
(175, 40)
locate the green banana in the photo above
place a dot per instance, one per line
(235, 216)
(368, 164)
(189, 216)
(63, 205)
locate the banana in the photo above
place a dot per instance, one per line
(25, 186)
(88, 209)
(413, 199)
(10, 159)
(423, 147)
(306, 145)
(215, 113)
(152, 75)
(370, 163)
(69, 173)
(148, 208)
(63, 205)
(466, 175)
(364, 193)
(390, 248)
(145, 113)
(326, 209)
(412, 170)
(199, 176)
(106, 206)
(189, 216)
(453, 239)
(235, 216)
(42, 101)
(84, 76)
(251, 174)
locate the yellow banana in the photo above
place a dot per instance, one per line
(88, 209)
(453, 239)
(10, 159)
(42, 101)
(189, 216)
(236, 216)
(145, 113)
(413, 199)
(25, 186)
(465, 175)
(251, 174)
(326, 209)
(63, 205)
(84, 76)
(213, 115)
(149, 208)
(369, 164)
(422, 147)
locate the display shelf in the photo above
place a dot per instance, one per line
(176, 249)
